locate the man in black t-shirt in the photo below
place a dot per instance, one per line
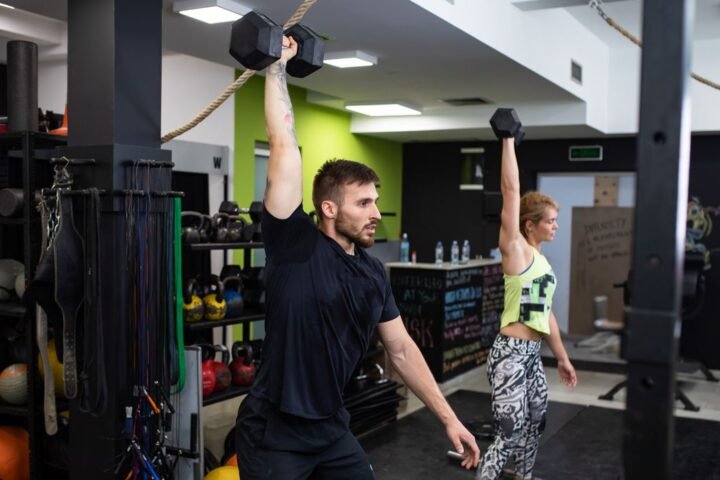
(325, 296)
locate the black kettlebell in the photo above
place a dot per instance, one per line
(235, 228)
(214, 298)
(233, 296)
(242, 367)
(218, 227)
(193, 308)
(193, 224)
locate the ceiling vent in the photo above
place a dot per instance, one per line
(463, 102)
(576, 71)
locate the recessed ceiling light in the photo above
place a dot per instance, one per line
(4, 5)
(352, 59)
(211, 11)
(383, 109)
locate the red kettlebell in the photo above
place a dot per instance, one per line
(208, 370)
(242, 367)
(223, 377)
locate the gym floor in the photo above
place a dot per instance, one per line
(219, 418)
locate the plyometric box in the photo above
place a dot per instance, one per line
(452, 312)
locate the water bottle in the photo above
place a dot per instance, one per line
(465, 252)
(454, 253)
(439, 253)
(404, 249)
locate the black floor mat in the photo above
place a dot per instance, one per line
(579, 443)
(415, 447)
(590, 447)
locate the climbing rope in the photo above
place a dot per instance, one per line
(596, 5)
(239, 82)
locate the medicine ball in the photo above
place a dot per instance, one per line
(13, 384)
(20, 285)
(14, 454)
(224, 473)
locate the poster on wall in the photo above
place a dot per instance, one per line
(600, 259)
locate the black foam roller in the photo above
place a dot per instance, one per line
(22, 85)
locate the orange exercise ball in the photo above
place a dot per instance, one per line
(13, 384)
(232, 460)
(223, 473)
(14, 454)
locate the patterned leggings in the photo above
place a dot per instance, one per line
(519, 403)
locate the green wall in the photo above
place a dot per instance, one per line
(322, 133)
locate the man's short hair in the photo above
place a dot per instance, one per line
(334, 175)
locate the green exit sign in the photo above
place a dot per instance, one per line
(586, 153)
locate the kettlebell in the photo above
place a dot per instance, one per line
(214, 299)
(235, 228)
(208, 369)
(193, 224)
(193, 308)
(242, 367)
(219, 228)
(223, 377)
(233, 296)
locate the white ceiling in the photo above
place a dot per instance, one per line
(422, 58)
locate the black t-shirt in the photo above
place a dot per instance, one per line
(322, 306)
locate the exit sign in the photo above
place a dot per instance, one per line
(585, 153)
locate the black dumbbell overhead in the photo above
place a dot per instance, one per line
(506, 124)
(310, 54)
(256, 42)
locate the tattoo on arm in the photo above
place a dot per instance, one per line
(281, 78)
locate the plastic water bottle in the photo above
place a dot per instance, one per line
(404, 249)
(465, 252)
(439, 253)
(454, 253)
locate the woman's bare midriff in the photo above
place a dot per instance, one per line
(518, 330)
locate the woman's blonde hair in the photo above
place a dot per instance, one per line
(532, 207)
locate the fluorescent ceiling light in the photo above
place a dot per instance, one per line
(351, 59)
(211, 11)
(4, 5)
(383, 109)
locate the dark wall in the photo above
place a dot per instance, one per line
(434, 208)
(701, 335)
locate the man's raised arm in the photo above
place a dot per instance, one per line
(283, 193)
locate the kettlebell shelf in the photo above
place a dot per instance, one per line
(223, 246)
(250, 317)
(231, 392)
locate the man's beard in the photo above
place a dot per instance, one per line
(343, 228)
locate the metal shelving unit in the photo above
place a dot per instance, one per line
(27, 148)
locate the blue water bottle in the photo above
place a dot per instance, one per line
(404, 249)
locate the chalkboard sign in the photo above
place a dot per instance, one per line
(451, 313)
